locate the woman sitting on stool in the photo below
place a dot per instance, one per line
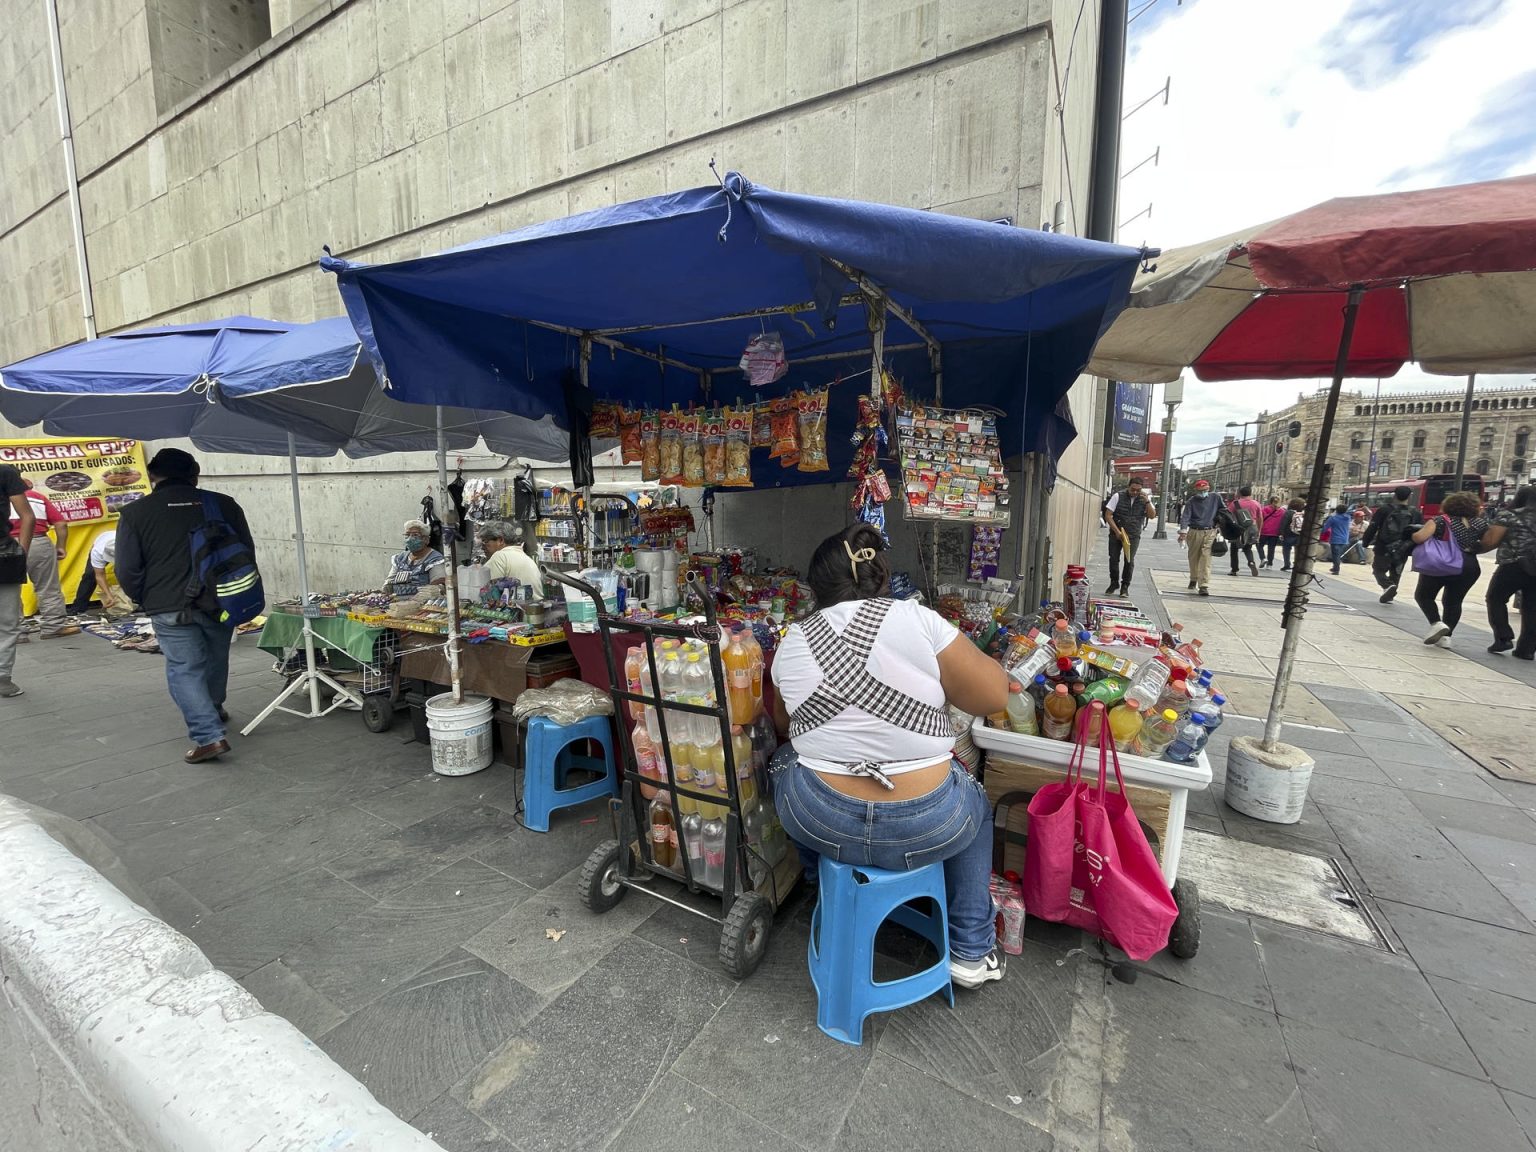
(862, 688)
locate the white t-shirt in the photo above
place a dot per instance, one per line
(103, 549)
(905, 656)
(510, 562)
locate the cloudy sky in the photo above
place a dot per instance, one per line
(1276, 105)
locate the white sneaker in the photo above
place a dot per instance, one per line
(975, 973)
(1443, 642)
(1439, 630)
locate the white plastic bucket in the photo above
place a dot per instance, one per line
(461, 734)
(1268, 786)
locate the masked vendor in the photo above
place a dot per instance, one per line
(505, 558)
(419, 565)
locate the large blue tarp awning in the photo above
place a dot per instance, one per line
(672, 287)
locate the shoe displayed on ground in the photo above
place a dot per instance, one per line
(1434, 634)
(206, 752)
(1389, 595)
(1253, 568)
(1204, 591)
(975, 973)
(1444, 641)
(1501, 646)
(8, 688)
(66, 630)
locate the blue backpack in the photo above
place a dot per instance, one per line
(223, 569)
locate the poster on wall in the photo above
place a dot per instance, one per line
(1131, 413)
(87, 480)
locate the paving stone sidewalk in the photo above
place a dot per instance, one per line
(399, 919)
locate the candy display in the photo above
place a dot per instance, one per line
(951, 464)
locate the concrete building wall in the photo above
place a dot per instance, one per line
(392, 128)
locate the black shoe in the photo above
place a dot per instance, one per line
(1205, 591)
(1524, 656)
(223, 715)
(1286, 568)
(1125, 589)
(1191, 585)
(1253, 568)
(1389, 595)
(1110, 591)
(1501, 646)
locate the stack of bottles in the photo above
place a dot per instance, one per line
(1161, 708)
(686, 825)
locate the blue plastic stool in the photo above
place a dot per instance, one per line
(548, 759)
(854, 902)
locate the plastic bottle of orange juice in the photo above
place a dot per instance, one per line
(738, 677)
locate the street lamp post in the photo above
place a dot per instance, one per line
(1173, 396)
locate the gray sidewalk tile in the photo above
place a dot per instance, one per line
(540, 859)
(285, 992)
(390, 862)
(191, 843)
(1523, 1108)
(1427, 1110)
(361, 958)
(1426, 753)
(1229, 963)
(456, 1129)
(1313, 827)
(883, 1117)
(222, 788)
(417, 1040)
(1509, 864)
(679, 1116)
(1463, 782)
(1517, 792)
(1332, 792)
(1407, 860)
(1500, 1029)
(247, 934)
(1452, 814)
(174, 904)
(1354, 765)
(1483, 955)
(573, 1075)
(1164, 1045)
(415, 799)
(1363, 994)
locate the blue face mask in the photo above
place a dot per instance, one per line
(413, 543)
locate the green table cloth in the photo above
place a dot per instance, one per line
(354, 639)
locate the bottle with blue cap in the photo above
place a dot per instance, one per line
(1186, 745)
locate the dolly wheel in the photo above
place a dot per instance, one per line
(1184, 938)
(378, 713)
(599, 883)
(744, 935)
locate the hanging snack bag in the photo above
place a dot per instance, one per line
(671, 447)
(650, 446)
(629, 437)
(786, 436)
(605, 420)
(812, 416)
(712, 437)
(762, 424)
(738, 447)
(693, 450)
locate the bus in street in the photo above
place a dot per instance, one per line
(1429, 491)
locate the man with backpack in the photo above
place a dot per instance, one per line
(186, 558)
(1389, 531)
(1243, 533)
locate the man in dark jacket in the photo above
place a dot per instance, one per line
(1127, 514)
(13, 569)
(1389, 530)
(154, 566)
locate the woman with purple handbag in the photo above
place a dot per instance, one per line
(1445, 557)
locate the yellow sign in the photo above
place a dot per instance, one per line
(89, 482)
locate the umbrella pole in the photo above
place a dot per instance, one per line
(1301, 570)
(451, 584)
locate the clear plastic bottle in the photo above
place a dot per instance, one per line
(1186, 745)
(737, 662)
(652, 725)
(1125, 723)
(1158, 732)
(1021, 714)
(1059, 710)
(663, 835)
(1209, 713)
(1149, 683)
(1064, 640)
(693, 843)
(1032, 659)
(634, 661)
(679, 724)
(645, 759)
(706, 781)
(1200, 687)
(714, 853)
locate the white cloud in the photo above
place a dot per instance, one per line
(1278, 106)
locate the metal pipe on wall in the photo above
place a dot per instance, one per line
(71, 174)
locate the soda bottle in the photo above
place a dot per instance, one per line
(1186, 745)
(1175, 694)
(738, 678)
(1059, 713)
(1149, 683)
(1158, 732)
(634, 661)
(683, 772)
(652, 725)
(1064, 641)
(1021, 714)
(753, 827)
(706, 781)
(746, 768)
(1125, 724)
(693, 843)
(756, 663)
(663, 836)
(645, 759)
(713, 836)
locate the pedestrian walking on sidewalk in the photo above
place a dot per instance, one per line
(1388, 532)
(14, 543)
(1271, 527)
(1290, 534)
(1245, 513)
(1461, 521)
(1336, 535)
(1197, 525)
(155, 567)
(43, 563)
(1515, 575)
(1127, 514)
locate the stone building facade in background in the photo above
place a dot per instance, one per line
(221, 143)
(1411, 434)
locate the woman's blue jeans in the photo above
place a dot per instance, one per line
(952, 824)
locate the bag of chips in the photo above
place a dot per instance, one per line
(650, 446)
(762, 424)
(738, 447)
(671, 447)
(712, 437)
(605, 420)
(811, 412)
(629, 437)
(693, 450)
(785, 419)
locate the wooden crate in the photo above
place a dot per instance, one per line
(1006, 774)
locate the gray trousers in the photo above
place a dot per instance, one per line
(10, 627)
(43, 571)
